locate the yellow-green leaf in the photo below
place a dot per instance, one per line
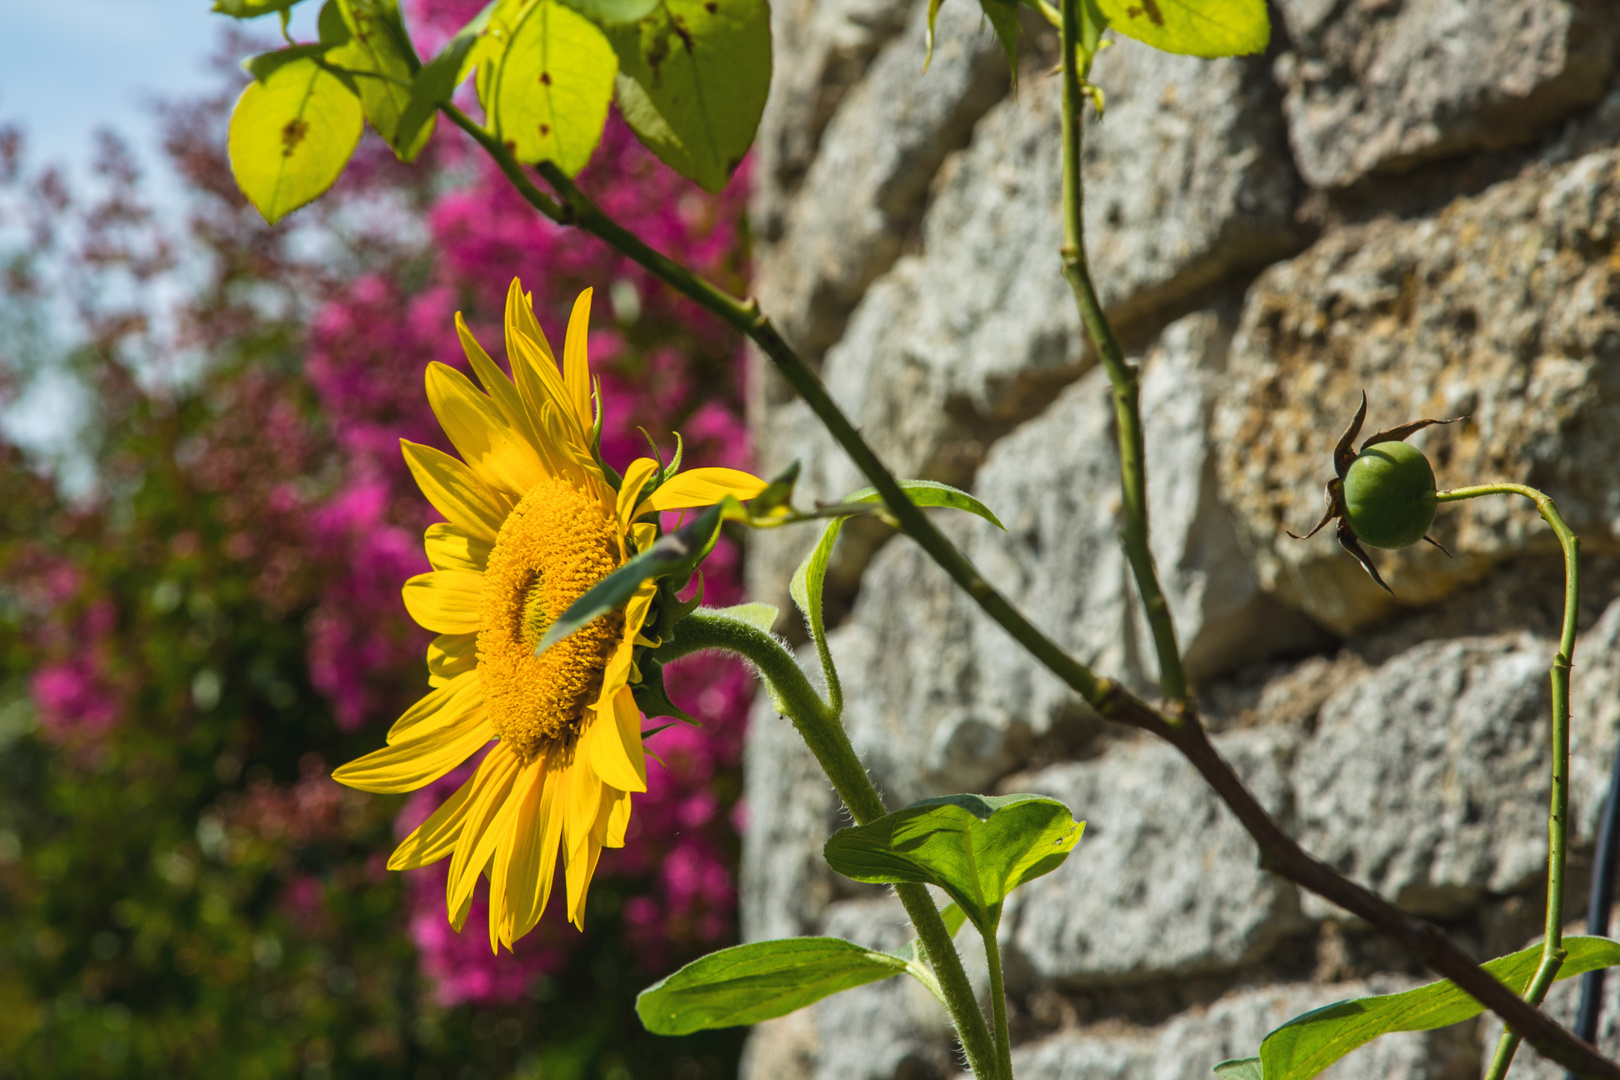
(291, 135)
(1194, 27)
(553, 87)
(250, 9)
(379, 57)
(693, 79)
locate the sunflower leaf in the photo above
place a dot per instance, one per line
(746, 984)
(439, 77)
(675, 554)
(652, 698)
(1240, 1069)
(1308, 1044)
(810, 579)
(977, 848)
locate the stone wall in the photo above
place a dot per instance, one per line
(1418, 198)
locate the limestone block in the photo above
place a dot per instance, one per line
(1380, 87)
(870, 176)
(1427, 779)
(1505, 306)
(791, 810)
(1164, 881)
(820, 49)
(1187, 1047)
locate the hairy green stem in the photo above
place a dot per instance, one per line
(1278, 851)
(822, 732)
(998, 1000)
(1125, 379)
(1552, 947)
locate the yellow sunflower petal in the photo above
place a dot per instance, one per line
(450, 547)
(456, 491)
(452, 655)
(414, 763)
(436, 837)
(611, 742)
(576, 360)
(635, 478)
(580, 798)
(448, 703)
(702, 487)
(526, 865)
(496, 384)
(490, 805)
(589, 804)
(446, 601)
(486, 442)
(520, 318)
(618, 820)
(534, 368)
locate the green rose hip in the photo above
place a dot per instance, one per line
(1389, 495)
(1384, 495)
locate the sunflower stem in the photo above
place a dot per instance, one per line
(1124, 378)
(1552, 945)
(1278, 851)
(822, 732)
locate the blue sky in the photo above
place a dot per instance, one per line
(68, 67)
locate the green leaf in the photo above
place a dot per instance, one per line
(1003, 18)
(291, 135)
(263, 65)
(1194, 27)
(761, 617)
(606, 13)
(675, 554)
(1307, 1044)
(1240, 1069)
(439, 77)
(810, 579)
(693, 79)
(379, 57)
(746, 984)
(251, 9)
(553, 87)
(977, 848)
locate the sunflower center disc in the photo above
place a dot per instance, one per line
(553, 547)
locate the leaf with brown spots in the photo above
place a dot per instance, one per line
(291, 134)
(694, 78)
(552, 87)
(1193, 27)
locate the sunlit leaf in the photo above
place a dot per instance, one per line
(977, 848)
(693, 79)
(384, 67)
(614, 12)
(750, 983)
(1308, 1044)
(291, 135)
(553, 86)
(251, 9)
(1194, 27)
(1240, 1069)
(439, 77)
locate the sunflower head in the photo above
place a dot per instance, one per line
(533, 520)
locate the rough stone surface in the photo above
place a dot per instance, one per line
(868, 182)
(1427, 779)
(1187, 1047)
(1506, 307)
(1380, 87)
(907, 229)
(1165, 880)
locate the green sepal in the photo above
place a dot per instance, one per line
(675, 554)
(1310, 1043)
(777, 498)
(747, 984)
(977, 848)
(651, 696)
(1003, 18)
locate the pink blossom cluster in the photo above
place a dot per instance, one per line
(76, 696)
(663, 364)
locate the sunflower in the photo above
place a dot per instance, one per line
(533, 521)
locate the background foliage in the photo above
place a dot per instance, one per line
(187, 650)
